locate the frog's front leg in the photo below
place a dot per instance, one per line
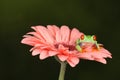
(97, 45)
(78, 48)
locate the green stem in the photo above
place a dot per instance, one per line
(62, 71)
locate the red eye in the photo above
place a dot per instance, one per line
(94, 37)
(82, 37)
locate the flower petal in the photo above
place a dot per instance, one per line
(106, 53)
(62, 57)
(44, 54)
(58, 37)
(36, 52)
(85, 56)
(96, 54)
(45, 34)
(53, 29)
(73, 61)
(37, 35)
(102, 60)
(29, 40)
(65, 32)
(52, 53)
(75, 34)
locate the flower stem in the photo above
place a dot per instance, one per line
(62, 71)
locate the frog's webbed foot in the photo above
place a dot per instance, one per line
(100, 45)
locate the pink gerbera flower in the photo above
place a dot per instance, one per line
(66, 45)
(54, 41)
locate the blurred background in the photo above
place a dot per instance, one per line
(99, 17)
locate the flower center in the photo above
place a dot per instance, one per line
(70, 47)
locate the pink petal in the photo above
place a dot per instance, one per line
(65, 32)
(96, 55)
(37, 35)
(106, 52)
(75, 34)
(85, 56)
(44, 54)
(62, 57)
(36, 52)
(29, 40)
(102, 60)
(58, 36)
(53, 29)
(52, 53)
(105, 55)
(73, 61)
(102, 53)
(45, 34)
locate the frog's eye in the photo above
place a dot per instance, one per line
(94, 37)
(82, 37)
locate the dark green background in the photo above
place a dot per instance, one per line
(100, 17)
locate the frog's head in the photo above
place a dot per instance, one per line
(88, 38)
